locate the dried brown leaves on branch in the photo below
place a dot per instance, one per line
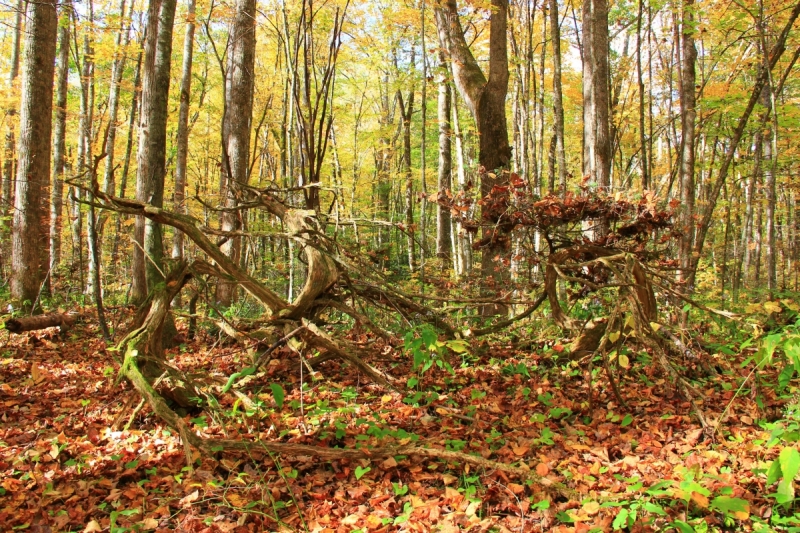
(511, 205)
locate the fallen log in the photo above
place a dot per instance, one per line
(32, 323)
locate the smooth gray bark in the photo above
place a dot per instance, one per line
(444, 182)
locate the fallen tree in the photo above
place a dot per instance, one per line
(341, 282)
(64, 321)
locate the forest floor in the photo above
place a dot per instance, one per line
(65, 464)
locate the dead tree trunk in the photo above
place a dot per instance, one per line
(33, 323)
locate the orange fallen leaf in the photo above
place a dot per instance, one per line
(700, 500)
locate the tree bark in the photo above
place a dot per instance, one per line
(596, 81)
(30, 256)
(86, 138)
(7, 187)
(182, 141)
(444, 181)
(117, 70)
(239, 85)
(406, 110)
(485, 98)
(688, 117)
(59, 139)
(558, 105)
(589, 115)
(640, 80)
(126, 164)
(151, 157)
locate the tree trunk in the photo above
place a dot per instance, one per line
(182, 141)
(558, 105)
(406, 110)
(640, 79)
(775, 54)
(463, 256)
(688, 116)
(117, 70)
(59, 139)
(239, 85)
(87, 136)
(445, 165)
(589, 115)
(7, 187)
(485, 98)
(123, 180)
(602, 103)
(29, 251)
(151, 155)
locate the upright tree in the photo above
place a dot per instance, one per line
(8, 150)
(59, 136)
(558, 104)
(688, 118)
(151, 157)
(485, 97)
(444, 182)
(596, 100)
(236, 123)
(30, 255)
(182, 141)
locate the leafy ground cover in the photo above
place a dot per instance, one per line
(68, 463)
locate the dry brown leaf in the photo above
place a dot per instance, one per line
(189, 498)
(92, 527)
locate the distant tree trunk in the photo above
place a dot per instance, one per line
(463, 255)
(29, 252)
(770, 164)
(558, 105)
(589, 115)
(87, 133)
(444, 181)
(239, 85)
(761, 80)
(423, 219)
(769, 95)
(151, 156)
(117, 70)
(7, 188)
(406, 110)
(383, 159)
(182, 141)
(59, 139)
(688, 116)
(123, 181)
(640, 79)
